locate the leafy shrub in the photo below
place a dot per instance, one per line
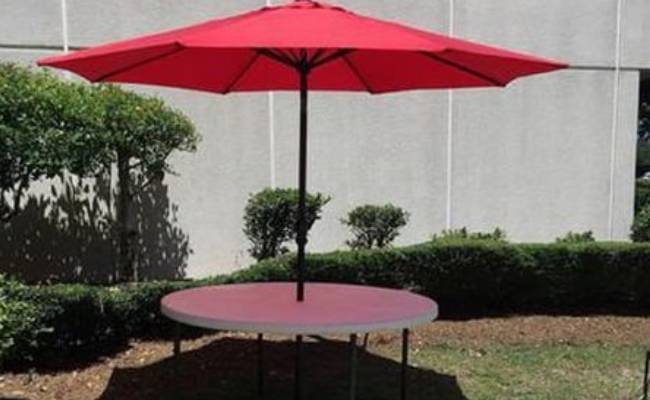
(375, 226)
(476, 277)
(19, 322)
(601, 277)
(641, 225)
(642, 194)
(462, 234)
(271, 218)
(49, 125)
(576, 237)
(482, 276)
(139, 134)
(43, 121)
(42, 323)
(72, 316)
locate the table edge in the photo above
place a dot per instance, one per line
(249, 327)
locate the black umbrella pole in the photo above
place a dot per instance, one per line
(302, 188)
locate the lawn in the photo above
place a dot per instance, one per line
(559, 372)
(512, 358)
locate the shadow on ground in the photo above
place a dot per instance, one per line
(226, 369)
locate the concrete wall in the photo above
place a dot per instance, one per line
(547, 155)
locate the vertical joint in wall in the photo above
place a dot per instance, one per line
(450, 134)
(615, 113)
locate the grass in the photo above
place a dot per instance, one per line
(556, 371)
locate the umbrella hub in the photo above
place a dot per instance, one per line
(313, 4)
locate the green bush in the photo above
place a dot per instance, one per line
(271, 218)
(42, 323)
(607, 277)
(641, 225)
(463, 234)
(49, 125)
(134, 309)
(139, 134)
(19, 322)
(468, 277)
(375, 226)
(43, 121)
(483, 277)
(642, 194)
(576, 237)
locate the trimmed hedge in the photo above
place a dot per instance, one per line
(39, 323)
(65, 318)
(487, 277)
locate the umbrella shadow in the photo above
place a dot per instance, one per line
(226, 369)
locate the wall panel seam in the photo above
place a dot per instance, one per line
(615, 112)
(271, 103)
(64, 25)
(450, 133)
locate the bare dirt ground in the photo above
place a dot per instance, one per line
(140, 370)
(539, 330)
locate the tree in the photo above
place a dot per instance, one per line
(643, 142)
(49, 126)
(271, 219)
(138, 135)
(641, 225)
(18, 168)
(41, 120)
(375, 226)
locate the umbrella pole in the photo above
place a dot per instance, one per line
(302, 186)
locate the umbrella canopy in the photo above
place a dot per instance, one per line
(260, 50)
(304, 45)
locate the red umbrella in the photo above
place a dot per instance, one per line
(300, 46)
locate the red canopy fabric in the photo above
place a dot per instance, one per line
(259, 50)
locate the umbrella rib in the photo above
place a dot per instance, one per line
(242, 73)
(294, 57)
(287, 55)
(140, 63)
(331, 57)
(282, 59)
(356, 72)
(463, 68)
(317, 55)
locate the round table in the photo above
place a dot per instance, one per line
(327, 309)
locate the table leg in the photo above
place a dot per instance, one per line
(260, 366)
(353, 366)
(366, 338)
(177, 359)
(646, 376)
(297, 393)
(405, 356)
